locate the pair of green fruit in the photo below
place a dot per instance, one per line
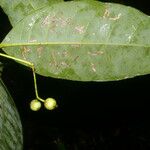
(49, 104)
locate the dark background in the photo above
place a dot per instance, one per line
(90, 116)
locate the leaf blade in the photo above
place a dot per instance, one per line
(10, 125)
(93, 33)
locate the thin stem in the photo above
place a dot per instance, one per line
(31, 65)
(17, 59)
(35, 84)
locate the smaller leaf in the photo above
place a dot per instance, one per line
(10, 124)
(1, 68)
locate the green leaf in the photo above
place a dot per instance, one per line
(85, 41)
(10, 125)
(1, 68)
(18, 9)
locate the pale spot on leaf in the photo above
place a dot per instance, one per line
(93, 67)
(7, 39)
(106, 14)
(96, 53)
(24, 52)
(39, 51)
(115, 18)
(80, 29)
(133, 27)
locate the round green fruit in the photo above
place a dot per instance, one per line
(35, 105)
(50, 103)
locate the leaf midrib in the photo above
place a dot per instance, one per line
(2, 45)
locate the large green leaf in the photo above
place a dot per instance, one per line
(10, 125)
(18, 9)
(86, 41)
